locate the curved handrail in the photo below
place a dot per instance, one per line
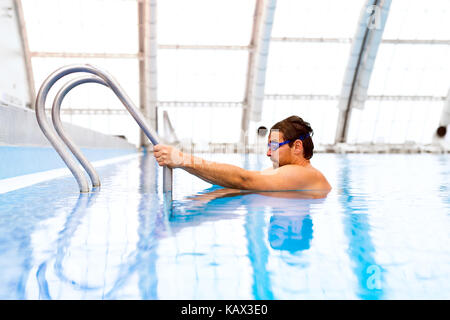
(119, 92)
(56, 119)
(56, 141)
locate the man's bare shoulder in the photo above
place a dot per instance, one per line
(308, 177)
(288, 169)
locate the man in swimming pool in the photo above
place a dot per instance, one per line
(290, 148)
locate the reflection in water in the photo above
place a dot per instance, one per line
(152, 226)
(74, 219)
(290, 228)
(444, 188)
(141, 261)
(22, 213)
(258, 255)
(290, 233)
(357, 229)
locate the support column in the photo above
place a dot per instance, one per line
(257, 64)
(363, 53)
(26, 53)
(148, 64)
(444, 122)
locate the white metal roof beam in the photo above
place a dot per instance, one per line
(256, 74)
(201, 104)
(161, 104)
(100, 55)
(349, 40)
(368, 97)
(106, 55)
(203, 47)
(364, 49)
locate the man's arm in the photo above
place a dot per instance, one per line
(222, 174)
(288, 177)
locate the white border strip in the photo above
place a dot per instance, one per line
(19, 182)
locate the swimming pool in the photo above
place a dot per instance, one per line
(381, 233)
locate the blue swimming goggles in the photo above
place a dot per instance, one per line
(275, 145)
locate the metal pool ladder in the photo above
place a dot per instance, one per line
(97, 76)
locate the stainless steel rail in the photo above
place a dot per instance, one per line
(56, 119)
(58, 143)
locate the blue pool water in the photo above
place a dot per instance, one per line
(381, 233)
(16, 161)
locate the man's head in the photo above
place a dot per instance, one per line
(298, 146)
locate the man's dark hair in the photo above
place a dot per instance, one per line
(292, 128)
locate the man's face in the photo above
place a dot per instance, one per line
(282, 155)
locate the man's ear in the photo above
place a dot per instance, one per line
(298, 146)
